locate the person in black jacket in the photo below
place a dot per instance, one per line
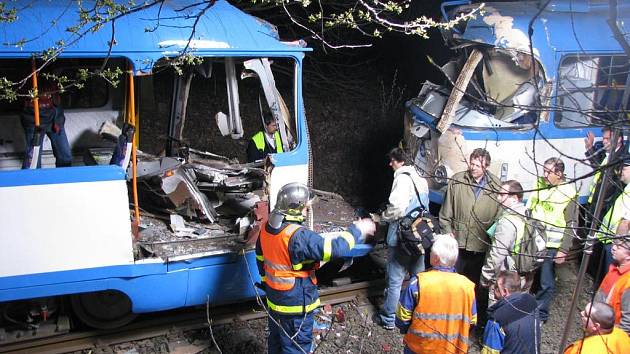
(599, 159)
(513, 322)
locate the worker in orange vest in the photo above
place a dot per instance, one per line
(601, 335)
(287, 255)
(615, 288)
(438, 307)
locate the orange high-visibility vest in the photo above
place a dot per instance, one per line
(616, 341)
(441, 320)
(280, 274)
(615, 295)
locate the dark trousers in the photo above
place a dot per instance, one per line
(469, 264)
(547, 290)
(299, 330)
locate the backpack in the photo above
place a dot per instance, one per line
(530, 251)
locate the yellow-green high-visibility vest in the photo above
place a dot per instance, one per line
(596, 177)
(613, 216)
(259, 140)
(547, 205)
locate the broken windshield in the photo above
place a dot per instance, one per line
(501, 92)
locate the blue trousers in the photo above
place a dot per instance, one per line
(545, 295)
(58, 141)
(397, 269)
(300, 327)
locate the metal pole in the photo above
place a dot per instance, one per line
(590, 240)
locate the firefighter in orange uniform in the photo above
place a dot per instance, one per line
(288, 255)
(438, 307)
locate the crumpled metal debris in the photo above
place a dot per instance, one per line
(195, 186)
(187, 198)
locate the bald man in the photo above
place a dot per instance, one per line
(601, 335)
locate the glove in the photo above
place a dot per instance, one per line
(375, 217)
(366, 226)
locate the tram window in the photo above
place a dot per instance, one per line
(590, 90)
(93, 94)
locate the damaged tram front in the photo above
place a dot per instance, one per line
(192, 199)
(522, 100)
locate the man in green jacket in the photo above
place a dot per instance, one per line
(469, 208)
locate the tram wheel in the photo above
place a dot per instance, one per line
(103, 309)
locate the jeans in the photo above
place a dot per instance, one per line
(545, 295)
(299, 329)
(397, 269)
(58, 141)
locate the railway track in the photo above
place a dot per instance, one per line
(181, 320)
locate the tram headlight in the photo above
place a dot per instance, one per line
(441, 174)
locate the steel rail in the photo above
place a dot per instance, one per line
(188, 320)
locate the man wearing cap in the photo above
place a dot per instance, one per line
(287, 255)
(614, 215)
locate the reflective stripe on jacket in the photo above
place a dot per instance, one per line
(259, 141)
(280, 274)
(548, 205)
(613, 216)
(443, 314)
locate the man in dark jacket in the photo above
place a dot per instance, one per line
(513, 324)
(599, 159)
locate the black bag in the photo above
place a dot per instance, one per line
(416, 233)
(416, 229)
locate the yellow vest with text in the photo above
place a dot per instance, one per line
(547, 205)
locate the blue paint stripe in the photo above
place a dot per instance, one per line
(79, 275)
(60, 175)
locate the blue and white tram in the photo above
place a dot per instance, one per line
(67, 231)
